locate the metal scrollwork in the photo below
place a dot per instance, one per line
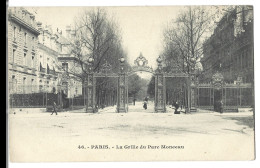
(217, 80)
(141, 65)
(141, 60)
(106, 67)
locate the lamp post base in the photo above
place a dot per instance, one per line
(121, 110)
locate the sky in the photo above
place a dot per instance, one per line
(141, 27)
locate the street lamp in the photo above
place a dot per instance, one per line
(122, 60)
(159, 61)
(90, 61)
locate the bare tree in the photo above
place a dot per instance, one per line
(96, 35)
(184, 38)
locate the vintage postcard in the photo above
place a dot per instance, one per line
(158, 83)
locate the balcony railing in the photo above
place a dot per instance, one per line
(14, 42)
(43, 70)
(13, 66)
(33, 70)
(52, 72)
(25, 69)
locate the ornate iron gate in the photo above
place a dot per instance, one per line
(122, 91)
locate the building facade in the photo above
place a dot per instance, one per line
(71, 78)
(40, 59)
(22, 51)
(230, 49)
(48, 51)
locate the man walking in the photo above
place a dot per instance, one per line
(145, 105)
(134, 101)
(146, 99)
(221, 106)
(176, 108)
(54, 108)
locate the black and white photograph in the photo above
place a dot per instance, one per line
(131, 83)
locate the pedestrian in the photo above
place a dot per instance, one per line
(146, 99)
(96, 108)
(145, 105)
(173, 103)
(54, 108)
(176, 108)
(134, 101)
(221, 106)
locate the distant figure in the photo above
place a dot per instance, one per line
(146, 99)
(134, 101)
(221, 106)
(176, 108)
(173, 103)
(102, 106)
(145, 105)
(54, 108)
(181, 105)
(96, 108)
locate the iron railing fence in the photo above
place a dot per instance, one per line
(232, 96)
(66, 97)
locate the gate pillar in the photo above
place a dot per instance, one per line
(90, 93)
(90, 88)
(193, 94)
(160, 89)
(160, 95)
(122, 89)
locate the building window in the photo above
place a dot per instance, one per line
(48, 69)
(14, 51)
(76, 91)
(32, 19)
(14, 34)
(25, 39)
(65, 89)
(33, 43)
(40, 86)
(48, 86)
(33, 62)
(65, 66)
(24, 59)
(32, 85)
(13, 84)
(24, 85)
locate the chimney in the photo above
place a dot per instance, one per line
(73, 33)
(39, 25)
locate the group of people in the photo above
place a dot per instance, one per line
(217, 106)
